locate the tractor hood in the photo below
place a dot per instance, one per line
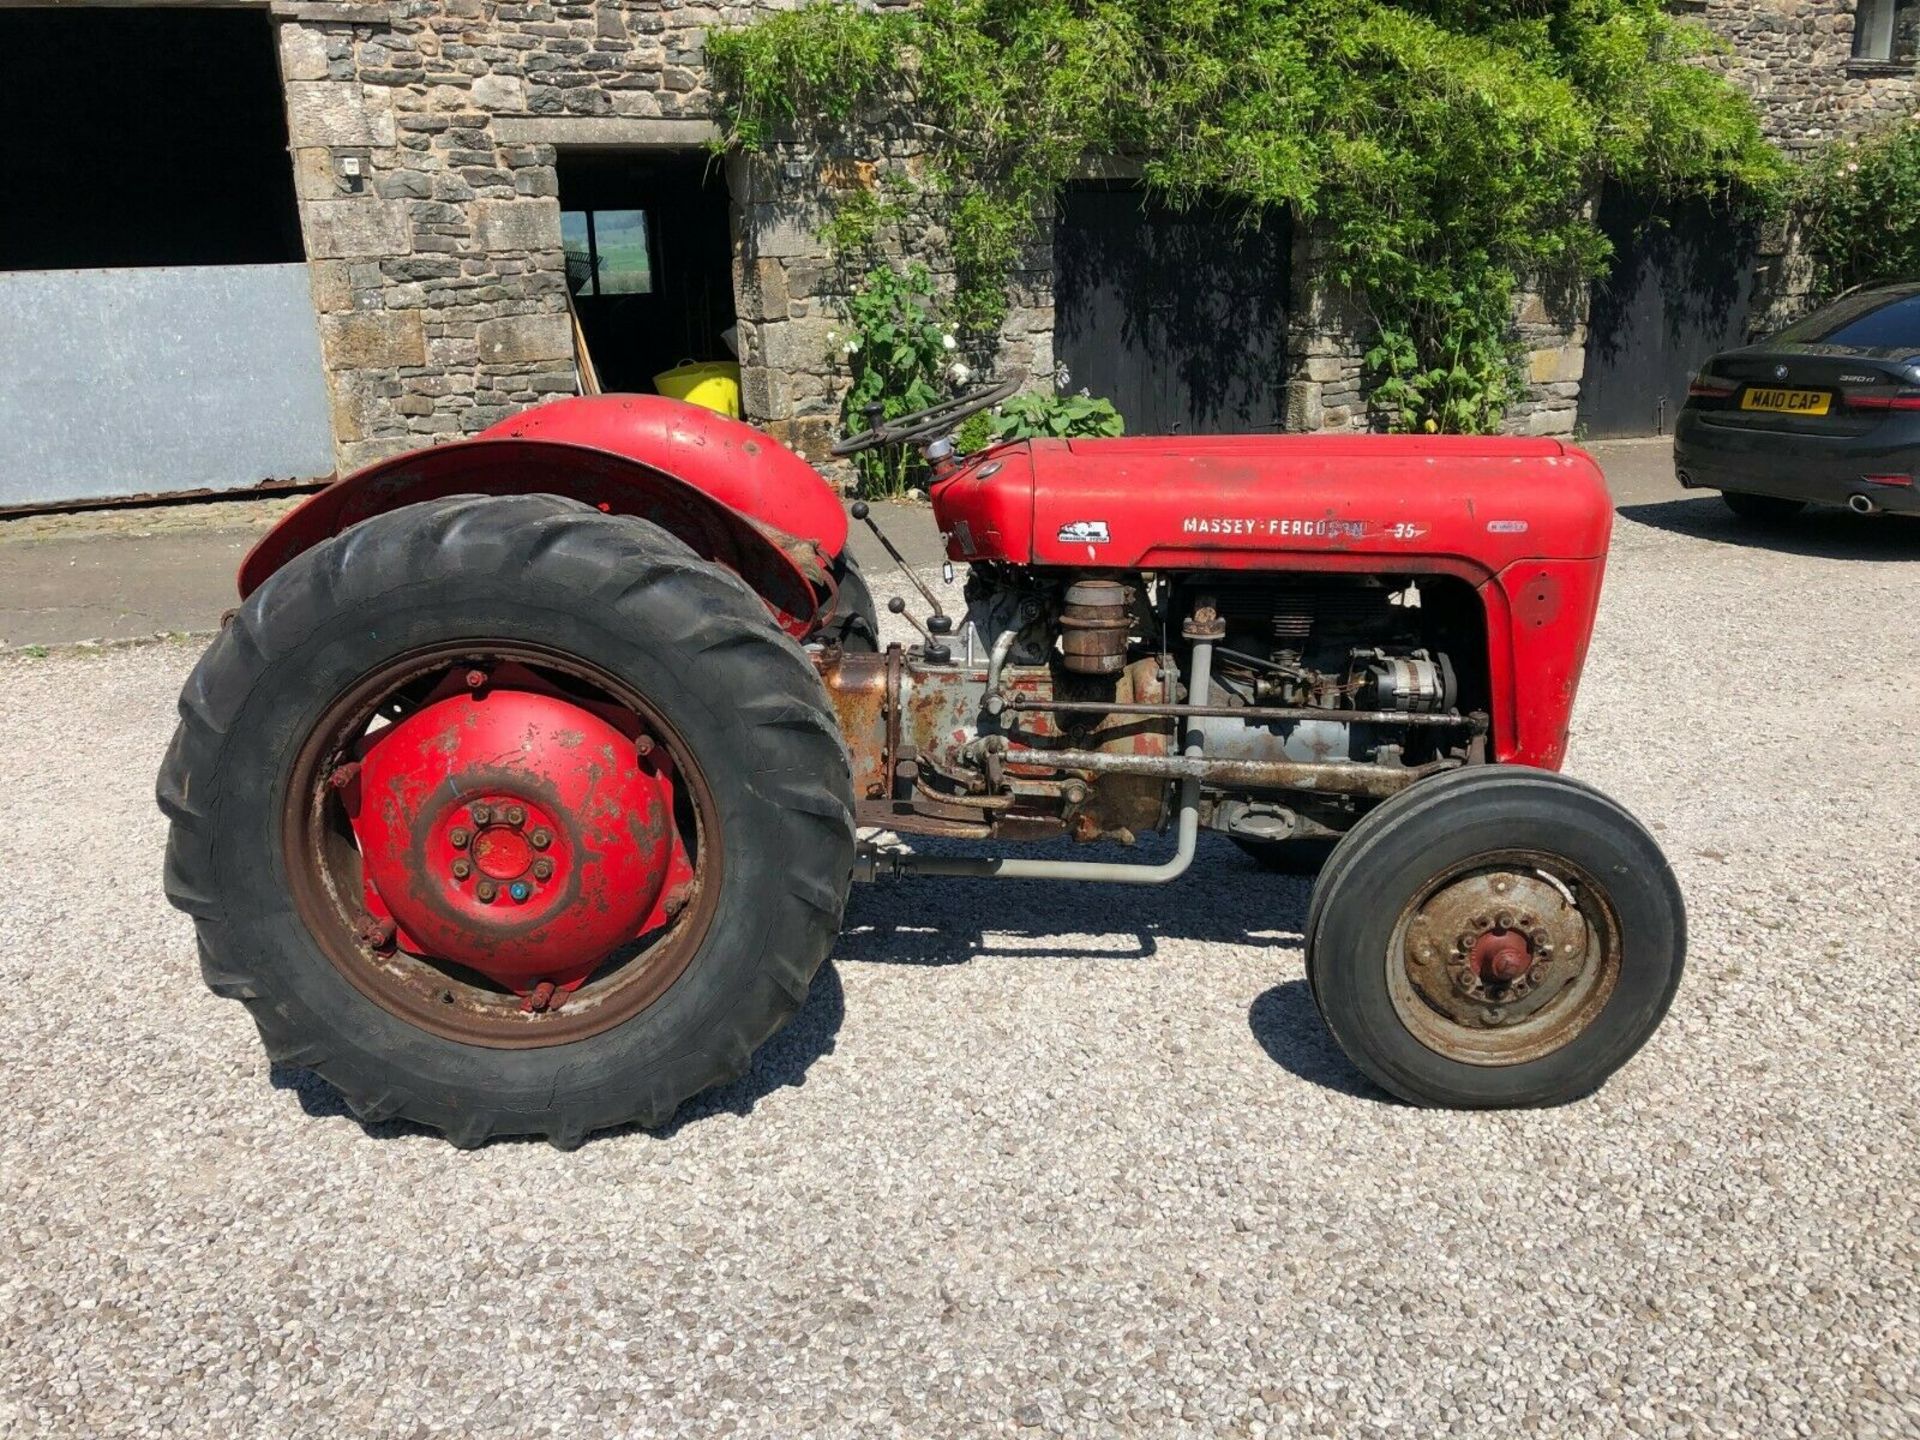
(1466, 504)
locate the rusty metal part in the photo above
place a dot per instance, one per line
(375, 931)
(1205, 623)
(325, 872)
(1095, 622)
(1504, 958)
(870, 863)
(1121, 806)
(1261, 714)
(155, 499)
(1370, 781)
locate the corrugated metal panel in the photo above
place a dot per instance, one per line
(125, 382)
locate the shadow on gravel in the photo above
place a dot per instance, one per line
(1224, 900)
(1288, 1027)
(784, 1060)
(940, 921)
(1821, 532)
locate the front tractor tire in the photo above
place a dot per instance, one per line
(1495, 937)
(508, 817)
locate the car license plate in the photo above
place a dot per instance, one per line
(1787, 402)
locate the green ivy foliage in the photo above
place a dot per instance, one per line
(1441, 149)
(1044, 414)
(1859, 203)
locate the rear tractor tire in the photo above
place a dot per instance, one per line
(508, 817)
(1495, 937)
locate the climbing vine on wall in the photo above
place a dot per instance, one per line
(1441, 151)
(1859, 203)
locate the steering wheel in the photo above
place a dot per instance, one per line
(933, 421)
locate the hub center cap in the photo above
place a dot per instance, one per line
(516, 834)
(1494, 949)
(502, 854)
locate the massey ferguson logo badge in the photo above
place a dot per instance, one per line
(1317, 529)
(1084, 532)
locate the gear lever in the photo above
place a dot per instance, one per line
(940, 622)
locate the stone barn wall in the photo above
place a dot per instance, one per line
(424, 135)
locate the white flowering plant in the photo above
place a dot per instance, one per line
(900, 351)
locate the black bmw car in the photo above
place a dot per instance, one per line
(1828, 410)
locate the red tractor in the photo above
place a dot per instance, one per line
(521, 795)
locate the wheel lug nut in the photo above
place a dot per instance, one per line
(481, 814)
(484, 892)
(643, 745)
(462, 868)
(344, 775)
(543, 869)
(519, 890)
(541, 838)
(475, 679)
(460, 836)
(1503, 921)
(516, 816)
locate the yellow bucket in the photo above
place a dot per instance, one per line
(714, 384)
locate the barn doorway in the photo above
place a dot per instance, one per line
(1178, 317)
(1681, 288)
(649, 260)
(157, 329)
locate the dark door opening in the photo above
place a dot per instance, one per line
(1178, 317)
(649, 260)
(1680, 289)
(171, 150)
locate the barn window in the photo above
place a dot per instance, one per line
(1886, 31)
(607, 252)
(172, 152)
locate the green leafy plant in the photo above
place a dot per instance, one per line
(898, 348)
(1857, 200)
(1042, 414)
(1440, 151)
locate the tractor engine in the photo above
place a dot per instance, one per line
(1063, 702)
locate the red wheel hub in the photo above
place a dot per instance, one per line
(518, 834)
(1501, 955)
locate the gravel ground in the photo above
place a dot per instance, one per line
(1037, 1158)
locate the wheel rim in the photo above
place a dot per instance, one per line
(502, 844)
(1504, 958)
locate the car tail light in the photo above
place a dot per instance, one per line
(1710, 387)
(1906, 480)
(1905, 398)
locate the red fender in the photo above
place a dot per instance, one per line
(727, 491)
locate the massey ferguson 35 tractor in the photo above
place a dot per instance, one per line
(521, 794)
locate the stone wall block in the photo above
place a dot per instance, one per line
(303, 53)
(516, 224)
(525, 339)
(500, 92)
(325, 112)
(373, 339)
(345, 229)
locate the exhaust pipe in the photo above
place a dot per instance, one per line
(1862, 505)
